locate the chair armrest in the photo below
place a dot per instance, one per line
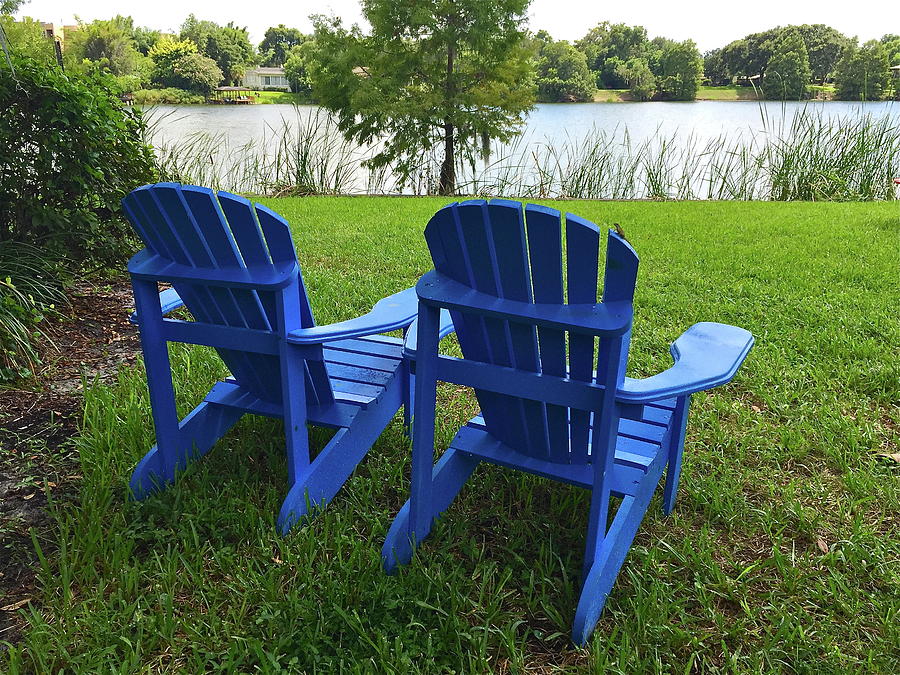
(149, 266)
(610, 318)
(169, 301)
(706, 355)
(412, 333)
(393, 312)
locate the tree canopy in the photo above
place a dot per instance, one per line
(107, 44)
(609, 45)
(563, 73)
(229, 46)
(788, 71)
(177, 63)
(863, 72)
(297, 65)
(640, 79)
(26, 38)
(432, 76)
(10, 6)
(277, 44)
(680, 71)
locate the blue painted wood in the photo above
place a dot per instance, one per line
(706, 355)
(233, 266)
(676, 449)
(582, 250)
(547, 363)
(583, 319)
(546, 258)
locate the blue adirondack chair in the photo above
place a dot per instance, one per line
(547, 363)
(234, 266)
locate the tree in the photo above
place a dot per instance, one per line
(891, 44)
(640, 79)
(229, 46)
(432, 75)
(734, 54)
(144, 38)
(715, 68)
(27, 38)
(278, 43)
(787, 72)
(824, 45)
(10, 6)
(760, 48)
(108, 44)
(863, 73)
(563, 74)
(178, 64)
(608, 46)
(681, 69)
(296, 67)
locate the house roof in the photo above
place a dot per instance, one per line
(266, 71)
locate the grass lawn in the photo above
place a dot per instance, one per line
(611, 96)
(278, 97)
(781, 555)
(727, 93)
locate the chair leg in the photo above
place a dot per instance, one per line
(610, 555)
(320, 481)
(676, 450)
(409, 383)
(196, 435)
(447, 479)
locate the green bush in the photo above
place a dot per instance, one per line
(178, 64)
(170, 96)
(69, 152)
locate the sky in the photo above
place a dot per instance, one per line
(710, 23)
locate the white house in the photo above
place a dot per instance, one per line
(266, 78)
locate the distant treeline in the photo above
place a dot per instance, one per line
(781, 62)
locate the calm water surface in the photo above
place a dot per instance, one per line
(550, 123)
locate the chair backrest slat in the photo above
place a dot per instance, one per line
(515, 253)
(507, 227)
(546, 257)
(582, 253)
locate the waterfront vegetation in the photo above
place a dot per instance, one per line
(780, 555)
(174, 96)
(809, 155)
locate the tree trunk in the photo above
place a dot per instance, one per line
(447, 185)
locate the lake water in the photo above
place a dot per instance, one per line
(550, 122)
(548, 126)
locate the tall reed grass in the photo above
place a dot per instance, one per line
(809, 155)
(30, 289)
(299, 156)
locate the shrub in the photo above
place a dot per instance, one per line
(69, 152)
(178, 64)
(170, 95)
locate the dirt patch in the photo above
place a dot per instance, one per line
(38, 419)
